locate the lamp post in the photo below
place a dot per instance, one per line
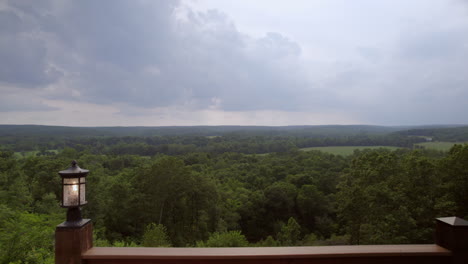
(74, 236)
(74, 193)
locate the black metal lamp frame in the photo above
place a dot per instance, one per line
(74, 218)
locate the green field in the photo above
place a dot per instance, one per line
(442, 146)
(346, 150)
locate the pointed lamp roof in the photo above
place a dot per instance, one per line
(73, 171)
(454, 221)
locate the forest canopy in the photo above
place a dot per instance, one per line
(204, 191)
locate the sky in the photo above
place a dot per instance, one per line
(216, 62)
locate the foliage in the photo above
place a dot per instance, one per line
(225, 239)
(149, 141)
(155, 236)
(455, 180)
(200, 192)
(268, 242)
(290, 233)
(390, 198)
(25, 237)
(451, 134)
(346, 150)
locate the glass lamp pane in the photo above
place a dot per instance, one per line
(70, 180)
(70, 195)
(82, 193)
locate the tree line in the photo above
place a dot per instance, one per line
(183, 144)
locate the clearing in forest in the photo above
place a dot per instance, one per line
(346, 150)
(439, 145)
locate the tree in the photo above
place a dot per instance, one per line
(311, 203)
(290, 233)
(119, 210)
(155, 236)
(25, 237)
(280, 199)
(455, 176)
(376, 199)
(171, 194)
(268, 242)
(225, 239)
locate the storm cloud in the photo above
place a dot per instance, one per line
(183, 62)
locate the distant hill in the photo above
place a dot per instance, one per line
(313, 131)
(450, 134)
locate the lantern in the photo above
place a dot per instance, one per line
(73, 190)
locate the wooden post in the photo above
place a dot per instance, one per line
(452, 234)
(73, 240)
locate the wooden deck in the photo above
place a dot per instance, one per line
(326, 254)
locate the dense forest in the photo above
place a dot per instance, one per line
(451, 134)
(211, 189)
(150, 141)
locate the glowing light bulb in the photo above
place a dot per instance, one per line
(75, 188)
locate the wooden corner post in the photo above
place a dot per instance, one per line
(71, 240)
(452, 234)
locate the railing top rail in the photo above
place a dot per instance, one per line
(265, 252)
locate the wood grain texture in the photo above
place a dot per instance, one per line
(431, 254)
(70, 244)
(265, 252)
(326, 260)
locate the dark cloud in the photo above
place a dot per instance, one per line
(11, 23)
(23, 61)
(139, 53)
(124, 33)
(23, 54)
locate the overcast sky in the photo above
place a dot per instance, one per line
(159, 63)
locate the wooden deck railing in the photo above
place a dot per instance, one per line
(432, 254)
(451, 247)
